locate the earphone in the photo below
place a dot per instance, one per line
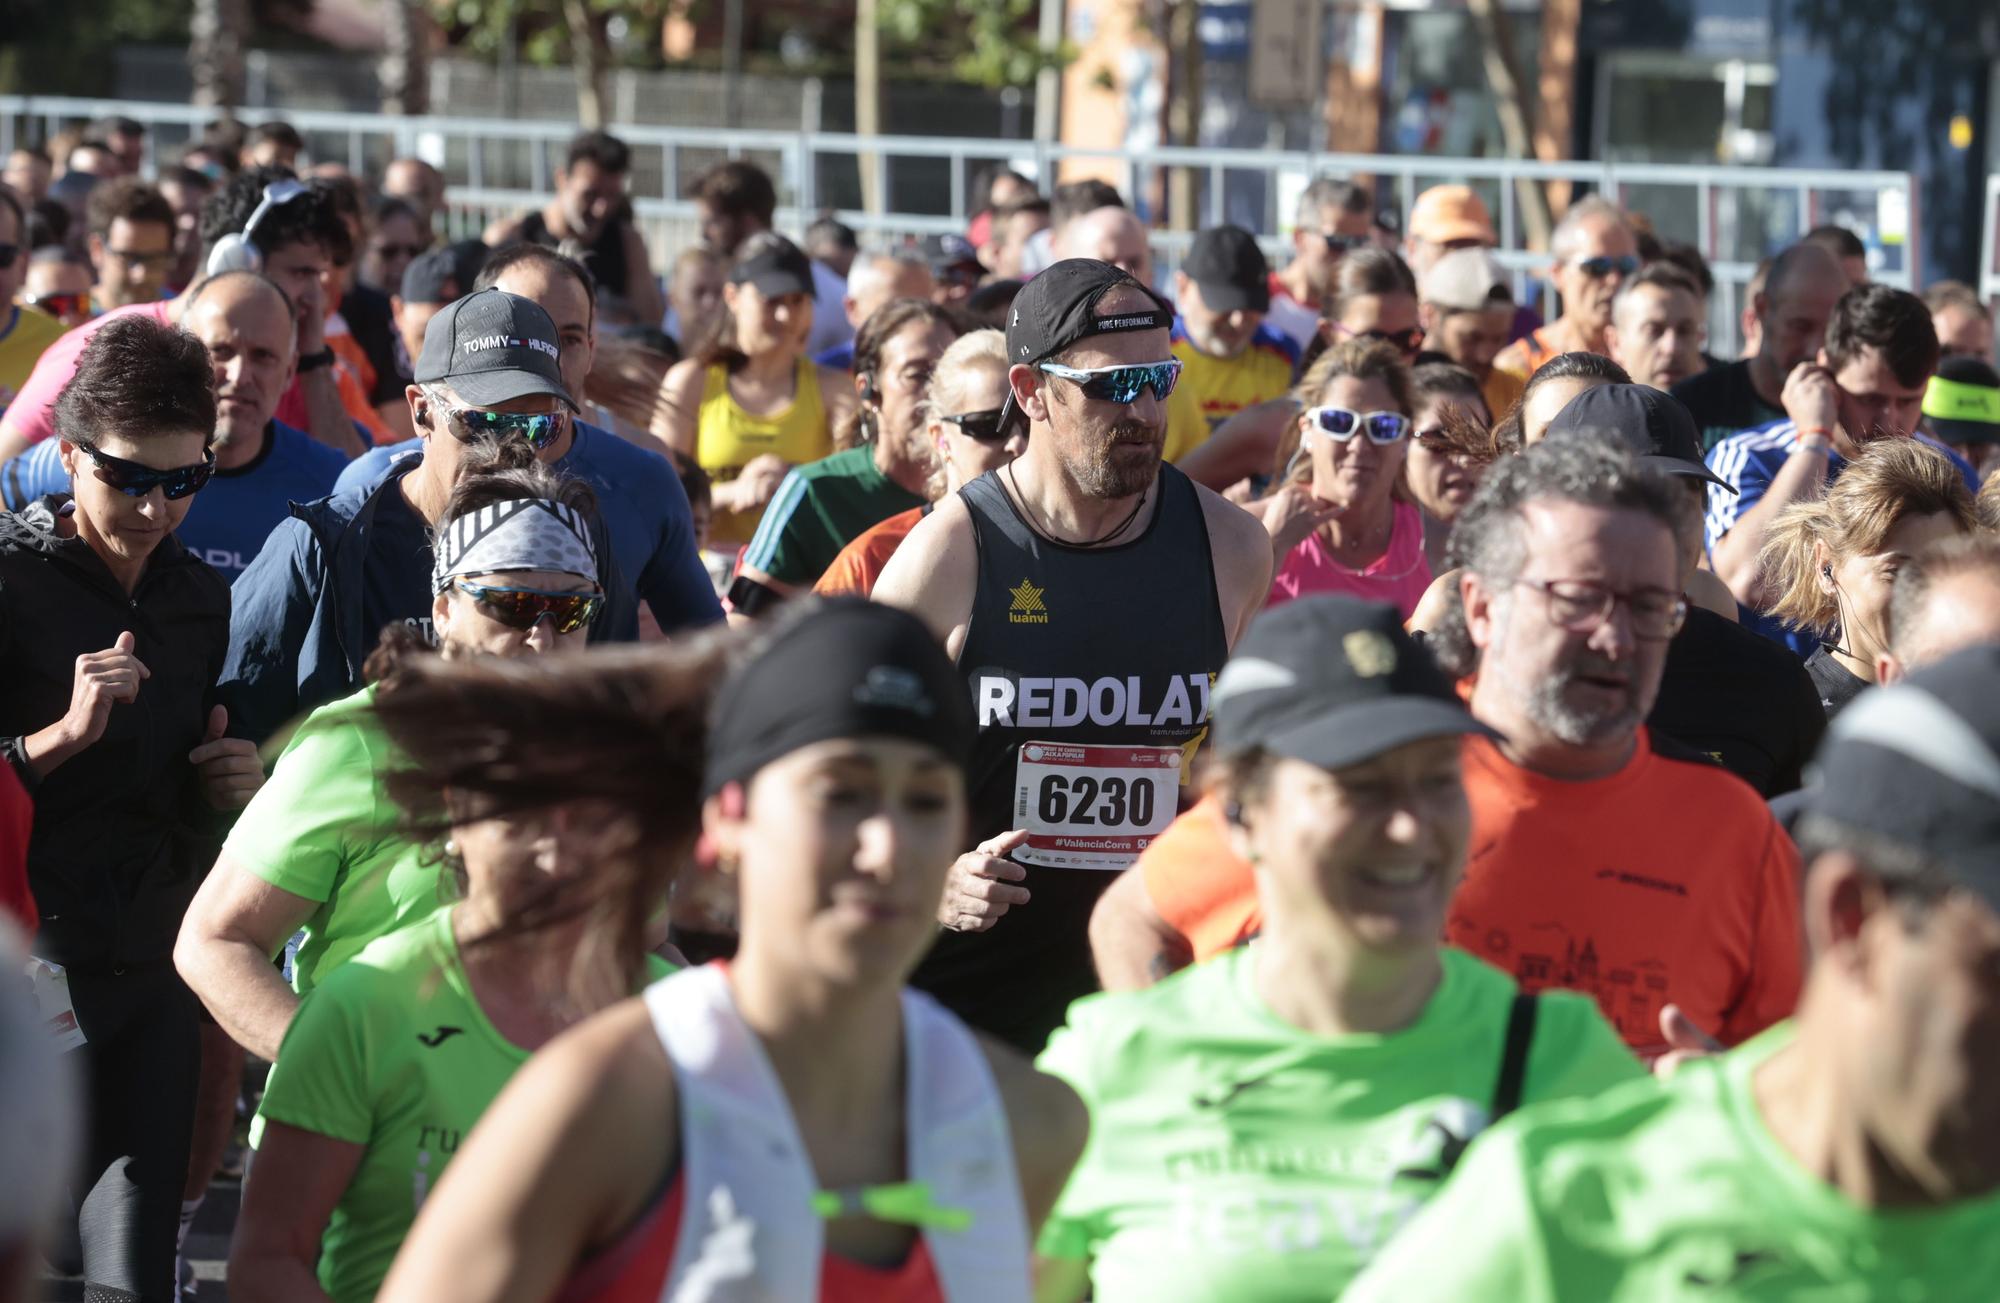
(1826, 571)
(236, 252)
(868, 394)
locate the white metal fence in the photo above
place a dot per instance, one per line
(1734, 215)
(1989, 244)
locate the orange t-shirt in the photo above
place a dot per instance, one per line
(861, 562)
(1667, 881)
(1525, 356)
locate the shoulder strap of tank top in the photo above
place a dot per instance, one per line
(960, 1147)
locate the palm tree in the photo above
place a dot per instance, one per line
(216, 35)
(405, 70)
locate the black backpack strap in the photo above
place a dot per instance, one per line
(1514, 1056)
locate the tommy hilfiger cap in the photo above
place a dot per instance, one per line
(492, 346)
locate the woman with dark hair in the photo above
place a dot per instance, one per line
(1340, 521)
(797, 1124)
(1374, 298)
(1451, 445)
(113, 638)
(514, 576)
(749, 404)
(562, 801)
(1558, 380)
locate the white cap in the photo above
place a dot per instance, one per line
(1465, 280)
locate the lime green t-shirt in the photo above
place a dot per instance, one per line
(393, 1052)
(1680, 1193)
(1234, 1156)
(324, 828)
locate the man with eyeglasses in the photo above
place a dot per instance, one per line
(1867, 383)
(1594, 251)
(131, 242)
(1088, 594)
(24, 332)
(1334, 217)
(313, 604)
(1605, 858)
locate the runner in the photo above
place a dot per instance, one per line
(1849, 1153)
(1788, 308)
(561, 854)
(1594, 251)
(794, 1124)
(1962, 409)
(751, 404)
(822, 506)
(1230, 358)
(1087, 594)
(1451, 447)
(1831, 562)
(961, 415)
(1467, 312)
(1340, 523)
(1346, 1032)
(1946, 597)
(318, 849)
(115, 634)
(1559, 380)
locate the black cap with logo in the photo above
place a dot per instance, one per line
(1058, 308)
(776, 267)
(1650, 423)
(492, 346)
(1229, 269)
(1333, 681)
(1917, 764)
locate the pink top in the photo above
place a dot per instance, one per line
(1398, 577)
(32, 413)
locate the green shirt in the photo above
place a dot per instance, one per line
(1675, 1194)
(1234, 1156)
(820, 508)
(324, 828)
(391, 1052)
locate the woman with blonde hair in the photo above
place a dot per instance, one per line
(1341, 520)
(1833, 561)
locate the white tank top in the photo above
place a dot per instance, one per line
(748, 1229)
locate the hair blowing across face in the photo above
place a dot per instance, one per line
(618, 737)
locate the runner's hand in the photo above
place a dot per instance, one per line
(980, 887)
(103, 679)
(1685, 1042)
(312, 320)
(1811, 398)
(230, 771)
(1291, 515)
(755, 486)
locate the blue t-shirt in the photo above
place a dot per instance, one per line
(230, 518)
(1749, 462)
(645, 512)
(839, 358)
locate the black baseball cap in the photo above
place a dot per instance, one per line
(1059, 307)
(432, 278)
(1333, 681)
(777, 267)
(1962, 401)
(492, 346)
(1229, 269)
(1917, 764)
(949, 252)
(1652, 424)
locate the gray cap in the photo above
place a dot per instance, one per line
(492, 346)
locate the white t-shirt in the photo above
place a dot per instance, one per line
(1292, 318)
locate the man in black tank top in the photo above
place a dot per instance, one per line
(590, 208)
(1089, 595)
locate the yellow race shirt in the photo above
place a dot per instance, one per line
(727, 438)
(26, 333)
(1216, 388)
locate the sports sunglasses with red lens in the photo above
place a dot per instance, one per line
(524, 608)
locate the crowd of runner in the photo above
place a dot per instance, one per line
(1271, 782)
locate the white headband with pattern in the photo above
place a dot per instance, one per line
(520, 534)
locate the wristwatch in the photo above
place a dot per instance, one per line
(314, 361)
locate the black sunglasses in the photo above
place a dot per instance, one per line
(983, 426)
(524, 608)
(399, 250)
(1336, 243)
(136, 479)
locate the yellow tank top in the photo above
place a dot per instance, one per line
(727, 437)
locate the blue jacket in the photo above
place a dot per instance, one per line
(295, 635)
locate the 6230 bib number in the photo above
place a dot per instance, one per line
(1093, 807)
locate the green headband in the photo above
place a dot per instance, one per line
(1955, 400)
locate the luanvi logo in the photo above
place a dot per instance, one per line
(440, 1036)
(1027, 607)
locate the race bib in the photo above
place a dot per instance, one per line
(1093, 807)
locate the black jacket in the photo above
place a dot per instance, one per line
(122, 834)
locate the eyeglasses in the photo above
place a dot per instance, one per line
(1341, 424)
(1337, 243)
(1403, 341)
(1581, 606)
(60, 305)
(147, 260)
(1598, 268)
(8, 252)
(1121, 384)
(540, 429)
(524, 608)
(136, 479)
(983, 426)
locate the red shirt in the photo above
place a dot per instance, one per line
(17, 820)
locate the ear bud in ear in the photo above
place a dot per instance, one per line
(1234, 813)
(1826, 571)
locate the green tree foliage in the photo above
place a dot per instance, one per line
(987, 42)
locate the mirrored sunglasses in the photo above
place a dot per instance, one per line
(524, 608)
(1341, 424)
(136, 479)
(1121, 384)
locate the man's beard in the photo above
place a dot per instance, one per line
(1113, 468)
(1549, 705)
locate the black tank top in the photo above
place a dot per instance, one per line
(1089, 671)
(604, 256)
